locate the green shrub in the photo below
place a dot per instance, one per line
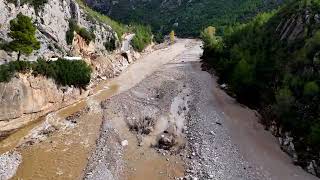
(7, 71)
(74, 27)
(110, 45)
(86, 35)
(142, 37)
(64, 72)
(314, 136)
(311, 89)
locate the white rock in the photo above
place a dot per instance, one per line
(124, 143)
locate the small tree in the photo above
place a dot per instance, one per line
(23, 35)
(172, 37)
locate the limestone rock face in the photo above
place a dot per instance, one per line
(295, 27)
(52, 22)
(27, 97)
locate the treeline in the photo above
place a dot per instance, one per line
(143, 34)
(280, 77)
(64, 72)
(187, 18)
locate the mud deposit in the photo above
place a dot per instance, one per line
(58, 145)
(151, 117)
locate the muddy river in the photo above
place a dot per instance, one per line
(63, 153)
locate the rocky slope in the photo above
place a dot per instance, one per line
(52, 22)
(26, 97)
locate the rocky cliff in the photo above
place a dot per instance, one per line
(26, 98)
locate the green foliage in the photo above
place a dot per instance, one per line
(172, 37)
(265, 71)
(110, 45)
(210, 40)
(22, 31)
(284, 102)
(64, 72)
(7, 71)
(142, 37)
(74, 27)
(314, 137)
(119, 28)
(311, 89)
(88, 36)
(187, 18)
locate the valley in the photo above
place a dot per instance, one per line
(172, 89)
(207, 140)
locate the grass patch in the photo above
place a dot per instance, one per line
(119, 28)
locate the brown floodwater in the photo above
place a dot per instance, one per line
(64, 154)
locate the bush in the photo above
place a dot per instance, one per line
(311, 89)
(110, 45)
(23, 34)
(74, 27)
(64, 72)
(7, 71)
(119, 28)
(142, 37)
(88, 36)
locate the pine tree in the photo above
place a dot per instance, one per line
(23, 35)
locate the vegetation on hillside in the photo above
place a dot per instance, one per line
(81, 31)
(186, 18)
(22, 31)
(279, 77)
(119, 28)
(142, 38)
(64, 72)
(143, 33)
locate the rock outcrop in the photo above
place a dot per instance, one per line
(52, 22)
(297, 26)
(26, 97)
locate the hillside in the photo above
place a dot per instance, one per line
(186, 17)
(272, 64)
(52, 52)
